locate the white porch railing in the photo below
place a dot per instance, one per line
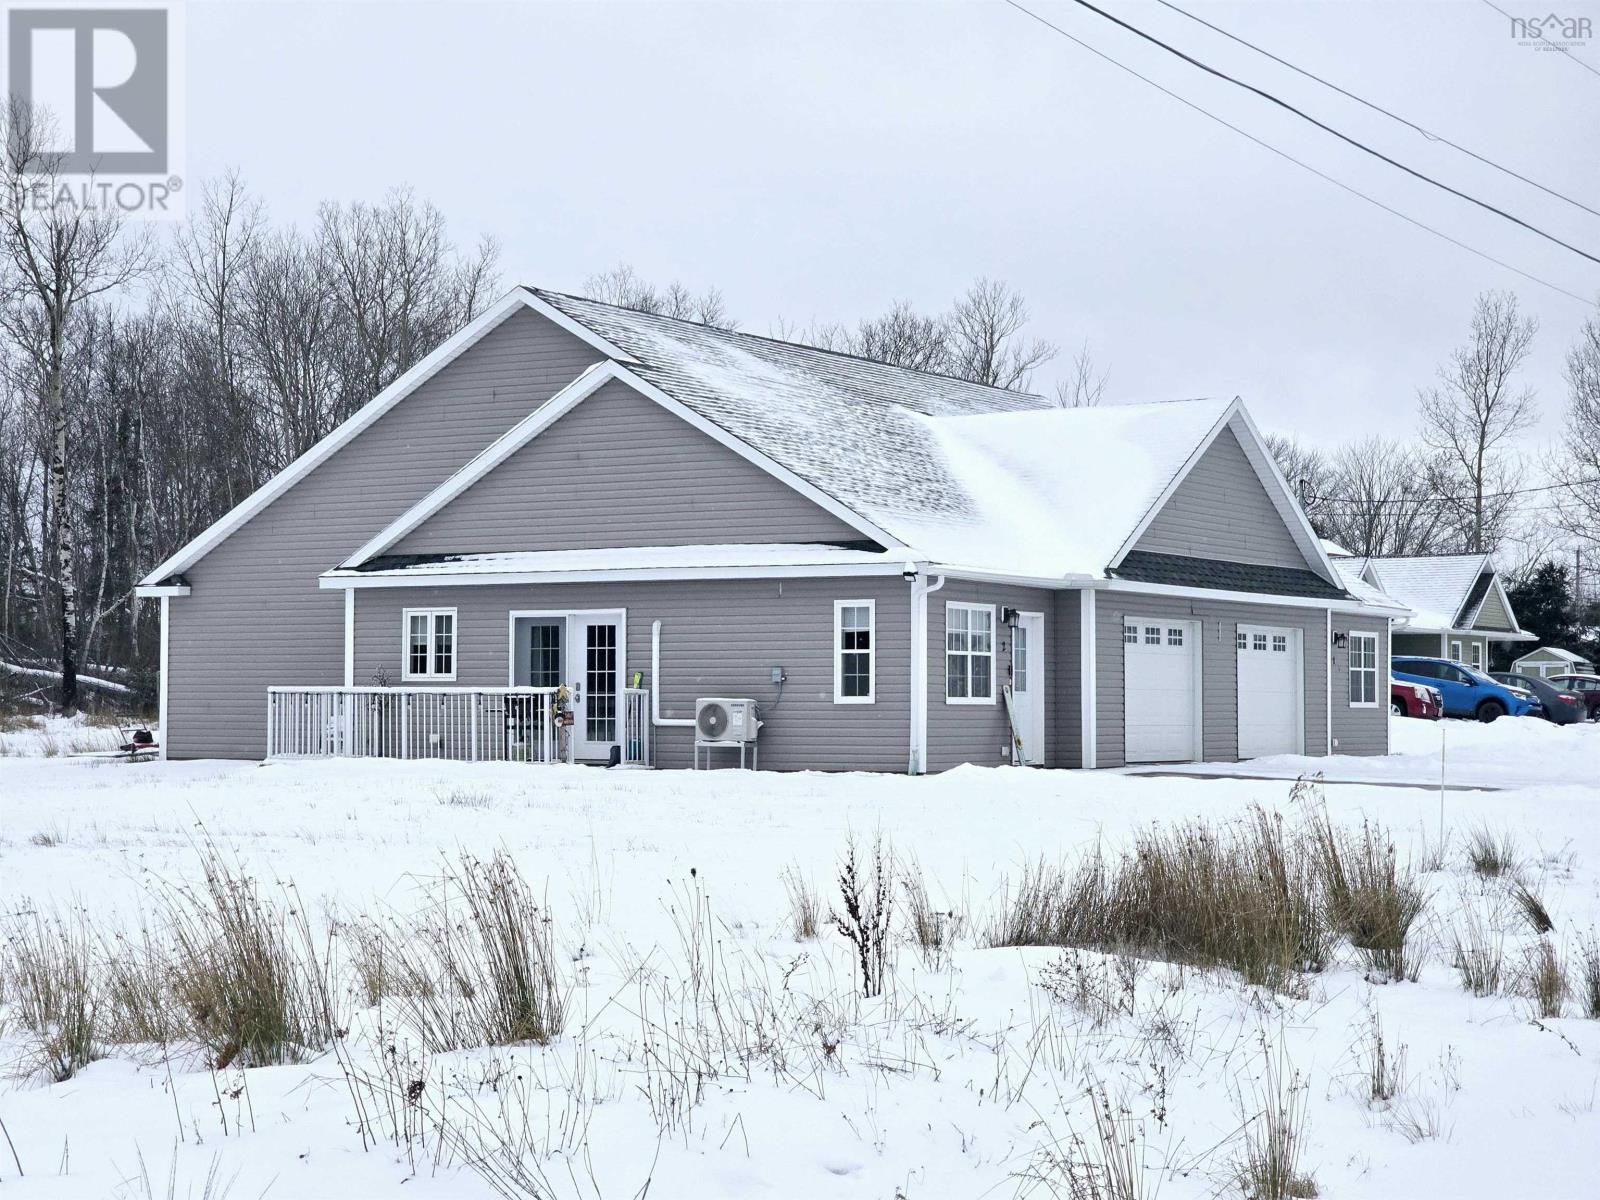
(464, 724)
(636, 727)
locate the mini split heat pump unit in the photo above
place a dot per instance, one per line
(727, 721)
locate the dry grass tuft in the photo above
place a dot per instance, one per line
(1531, 905)
(866, 891)
(1267, 1165)
(1370, 896)
(49, 978)
(932, 930)
(1543, 979)
(1477, 952)
(1589, 976)
(1491, 855)
(805, 909)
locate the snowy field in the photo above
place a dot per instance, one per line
(707, 1052)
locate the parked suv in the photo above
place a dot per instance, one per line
(1415, 700)
(1466, 693)
(1586, 686)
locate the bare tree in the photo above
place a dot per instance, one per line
(1477, 409)
(1085, 384)
(1382, 498)
(1578, 502)
(624, 287)
(985, 337)
(57, 256)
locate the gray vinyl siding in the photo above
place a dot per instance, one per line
(1219, 667)
(1492, 614)
(620, 470)
(1065, 721)
(1359, 730)
(1424, 645)
(980, 733)
(1221, 510)
(256, 616)
(718, 638)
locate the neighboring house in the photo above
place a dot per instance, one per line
(1548, 660)
(1459, 605)
(646, 512)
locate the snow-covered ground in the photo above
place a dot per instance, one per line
(960, 1082)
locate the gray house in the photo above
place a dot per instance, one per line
(1458, 604)
(572, 522)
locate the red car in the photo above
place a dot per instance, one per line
(1587, 686)
(1415, 700)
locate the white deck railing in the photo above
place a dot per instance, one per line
(461, 724)
(464, 724)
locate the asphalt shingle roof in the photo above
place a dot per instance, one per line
(1142, 566)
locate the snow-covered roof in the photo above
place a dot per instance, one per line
(962, 474)
(1566, 656)
(1358, 587)
(1435, 587)
(720, 557)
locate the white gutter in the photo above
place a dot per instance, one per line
(655, 684)
(920, 591)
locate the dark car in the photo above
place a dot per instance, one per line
(1466, 692)
(1556, 704)
(1587, 687)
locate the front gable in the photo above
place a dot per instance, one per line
(619, 470)
(1494, 609)
(1221, 510)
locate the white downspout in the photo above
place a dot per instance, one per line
(655, 684)
(164, 734)
(920, 591)
(1330, 682)
(1088, 680)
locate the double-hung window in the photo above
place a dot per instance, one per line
(853, 638)
(430, 649)
(969, 653)
(1363, 670)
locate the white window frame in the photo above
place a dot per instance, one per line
(1455, 651)
(433, 614)
(1352, 669)
(992, 655)
(1475, 654)
(839, 651)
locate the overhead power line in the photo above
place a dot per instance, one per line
(1378, 108)
(1287, 157)
(1368, 501)
(1329, 129)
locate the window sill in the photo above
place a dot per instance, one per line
(427, 678)
(855, 700)
(970, 700)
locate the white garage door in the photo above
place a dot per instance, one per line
(1270, 695)
(1161, 689)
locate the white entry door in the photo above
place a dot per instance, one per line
(1027, 685)
(1271, 700)
(595, 673)
(1161, 689)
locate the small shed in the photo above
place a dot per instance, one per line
(1550, 660)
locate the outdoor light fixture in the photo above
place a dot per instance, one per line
(910, 573)
(1339, 640)
(1009, 617)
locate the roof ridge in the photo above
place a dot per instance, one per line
(776, 341)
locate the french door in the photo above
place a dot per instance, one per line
(586, 651)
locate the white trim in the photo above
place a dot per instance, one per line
(350, 639)
(994, 652)
(150, 591)
(1350, 667)
(576, 328)
(356, 579)
(1265, 598)
(920, 677)
(1455, 651)
(432, 613)
(1271, 478)
(872, 652)
(1327, 645)
(162, 684)
(563, 402)
(512, 302)
(1087, 676)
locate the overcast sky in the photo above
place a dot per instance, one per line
(823, 160)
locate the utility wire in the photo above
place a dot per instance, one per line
(1357, 501)
(1326, 128)
(1562, 50)
(1305, 166)
(1378, 108)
